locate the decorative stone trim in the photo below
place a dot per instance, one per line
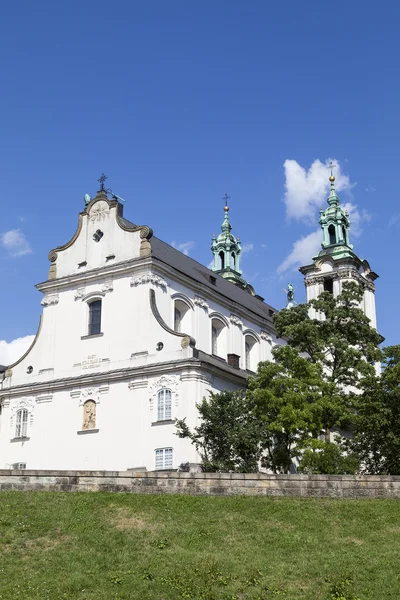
(45, 398)
(170, 382)
(79, 293)
(197, 376)
(108, 286)
(90, 393)
(198, 301)
(99, 213)
(50, 299)
(21, 403)
(149, 278)
(340, 274)
(137, 384)
(235, 320)
(264, 335)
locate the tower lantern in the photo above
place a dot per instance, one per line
(227, 249)
(337, 262)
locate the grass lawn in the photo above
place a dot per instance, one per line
(118, 546)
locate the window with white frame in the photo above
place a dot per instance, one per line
(182, 316)
(94, 317)
(164, 458)
(218, 338)
(164, 405)
(21, 423)
(251, 353)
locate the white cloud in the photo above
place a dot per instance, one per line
(12, 351)
(247, 248)
(303, 251)
(357, 218)
(184, 247)
(306, 190)
(15, 242)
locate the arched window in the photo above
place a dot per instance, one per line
(344, 234)
(182, 321)
(94, 317)
(218, 338)
(164, 405)
(332, 234)
(250, 351)
(21, 426)
(222, 257)
(89, 415)
(233, 261)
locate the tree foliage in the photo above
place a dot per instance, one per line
(377, 424)
(311, 387)
(230, 436)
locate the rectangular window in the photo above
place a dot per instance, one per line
(164, 405)
(95, 317)
(19, 466)
(164, 458)
(21, 427)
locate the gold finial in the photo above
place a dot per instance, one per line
(332, 177)
(226, 198)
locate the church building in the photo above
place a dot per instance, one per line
(134, 333)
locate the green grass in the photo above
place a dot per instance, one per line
(119, 546)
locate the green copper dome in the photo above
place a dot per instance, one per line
(335, 224)
(226, 249)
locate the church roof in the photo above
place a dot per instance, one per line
(196, 271)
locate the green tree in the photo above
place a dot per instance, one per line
(341, 341)
(328, 458)
(285, 394)
(377, 427)
(312, 386)
(229, 437)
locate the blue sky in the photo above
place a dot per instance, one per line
(179, 102)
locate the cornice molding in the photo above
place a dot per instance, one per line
(106, 378)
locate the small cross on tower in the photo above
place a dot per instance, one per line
(102, 180)
(226, 198)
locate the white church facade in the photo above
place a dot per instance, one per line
(133, 334)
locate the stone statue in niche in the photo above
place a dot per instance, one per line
(89, 415)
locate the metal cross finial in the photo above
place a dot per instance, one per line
(226, 198)
(102, 180)
(332, 166)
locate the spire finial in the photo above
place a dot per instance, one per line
(225, 198)
(332, 177)
(102, 180)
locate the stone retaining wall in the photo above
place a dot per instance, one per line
(212, 484)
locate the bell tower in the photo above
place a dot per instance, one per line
(227, 249)
(337, 262)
